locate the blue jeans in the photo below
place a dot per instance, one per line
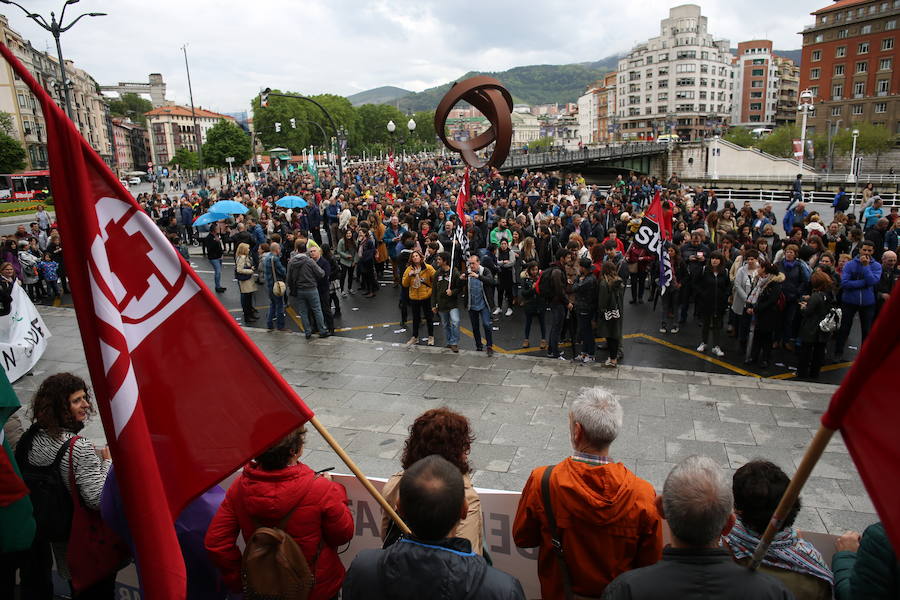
(478, 318)
(217, 271)
(305, 301)
(450, 323)
(557, 318)
(529, 317)
(275, 316)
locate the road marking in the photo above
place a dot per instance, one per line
(296, 319)
(360, 327)
(700, 355)
(833, 367)
(57, 301)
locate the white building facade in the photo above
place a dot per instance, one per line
(680, 82)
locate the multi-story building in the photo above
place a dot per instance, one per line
(679, 82)
(172, 128)
(132, 146)
(850, 64)
(759, 78)
(607, 123)
(588, 106)
(526, 128)
(561, 128)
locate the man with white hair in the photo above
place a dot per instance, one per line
(592, 518)
(698, 505)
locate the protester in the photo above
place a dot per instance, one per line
(712, 287)
(858, 280)
(813, 339)
(610, 311)
(244, 272)
(447, 286)
(603, 513)
(865, 566)
(532, 304)
(762, 307)
(418, 278)
(476, 278)
(303, 276)
(585, 308)
(432, 500)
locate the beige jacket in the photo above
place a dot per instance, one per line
(470, 528)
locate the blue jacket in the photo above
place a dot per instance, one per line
(314, 216)
(257, 235)
(331, 213)
(790, 218)
(391, 239)
(187, 216)
(858, 282)
(266, 264)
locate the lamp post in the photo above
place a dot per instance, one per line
(56, 29)
(806, 105)
(833, 127)
(715, 157)
(851, 178)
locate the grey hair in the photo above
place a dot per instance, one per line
(600, 414)
(697, 501)
(274, 246)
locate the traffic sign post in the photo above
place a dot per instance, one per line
(230, 161)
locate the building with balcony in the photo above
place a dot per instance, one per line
(678, 82)
(171, 128)
(850, 64)
(765, 86)
(132, 146)
(788, 90)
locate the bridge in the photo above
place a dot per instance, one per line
(155, 88)
(635, 156)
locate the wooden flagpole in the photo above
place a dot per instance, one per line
(362, 478)
(813, 454)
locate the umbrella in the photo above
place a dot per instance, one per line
(291, 202)
(210, 217)
(228, 207)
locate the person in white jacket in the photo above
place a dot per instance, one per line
(744, 280)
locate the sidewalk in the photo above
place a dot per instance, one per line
(367, 394)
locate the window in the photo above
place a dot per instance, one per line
(685, 68)
(859, 89)
(817, 55)
(756, 94)
(813, 73)
(863, 48)
(755, 119)
(890, 25)
(755, 106)
(838, 70)
(663, 57)
(759, 61)
(762, 73)
(857, 109)
(757, 84)
(881, 107)
(887, 43)
(684, 95)
(662, 96)
(840, 52)
(836, 111)
(865, 29)
(837, 91)
(885, 64)
(819, 39)
(843, 33)
(862, 67)
(883, 87)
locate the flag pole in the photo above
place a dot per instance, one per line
(362, 478)
(804, 469)
(452, 254)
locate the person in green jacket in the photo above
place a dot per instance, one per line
(611, 298)
(865, 567)
(499, 233)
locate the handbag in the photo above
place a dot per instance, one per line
(611, 315)
(95, 552)
(279, 287)
(832, 321)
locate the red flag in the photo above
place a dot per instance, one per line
(461, 199)
(660, 216)
(866, 410)
(392, 170)
(185, 397)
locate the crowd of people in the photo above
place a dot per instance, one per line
(560, 251)
(34, 253)
(600, 530)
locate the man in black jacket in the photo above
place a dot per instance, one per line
(428, 564)
(698, 504)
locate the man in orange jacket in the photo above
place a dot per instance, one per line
(605, 517)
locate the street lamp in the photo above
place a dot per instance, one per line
(715, 157)
(391, 127)
(56, 28)
(806, 105)
(851, 178)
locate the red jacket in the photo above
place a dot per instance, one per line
(267, 496)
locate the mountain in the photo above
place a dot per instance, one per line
(385, 94)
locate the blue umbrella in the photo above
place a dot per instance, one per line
(291, 202)
(210, 217)
(228, 207)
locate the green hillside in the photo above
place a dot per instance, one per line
(385, 94)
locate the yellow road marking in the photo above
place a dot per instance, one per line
(700, 355)
(57, 301)
(833, 367)
(294, 317)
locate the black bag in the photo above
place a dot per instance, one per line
(50, 500)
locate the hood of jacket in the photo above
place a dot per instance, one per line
(269, 495)
(590, 493)
(447, 568)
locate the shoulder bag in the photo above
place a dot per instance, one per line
(278, 287)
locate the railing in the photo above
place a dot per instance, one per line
(762, 196)
(585, 155)
(862, 178)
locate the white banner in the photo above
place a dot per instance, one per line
(23, 336)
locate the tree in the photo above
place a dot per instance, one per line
(225, 139)
(131, 106)
(740, 136)
(873, 139)
(780, 142)
(185, 159)
(541, 145)
(12, 154)
(7, 124)
(372, 129)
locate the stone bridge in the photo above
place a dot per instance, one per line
(641, 157)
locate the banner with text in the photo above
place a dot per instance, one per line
(23, 336)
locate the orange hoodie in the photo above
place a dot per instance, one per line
(607, 519)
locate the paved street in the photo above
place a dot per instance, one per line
(367, 393)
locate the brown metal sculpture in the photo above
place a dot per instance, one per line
(493, 100)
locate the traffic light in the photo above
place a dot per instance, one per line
(293, 123)
(264, 97)
(277, 127)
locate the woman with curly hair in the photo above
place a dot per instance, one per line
(59, 409)
(445, 433)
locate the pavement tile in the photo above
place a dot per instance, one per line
(678, 450)
(423, 358)
(664, 390)
(372, 466)
(331, 417)
(527, 380)
(765, 397)
(493, 480)
(489, 376)
(527, 459)
(470, 410)
(808, 519)
(512, 364)
(835, 444)
(380, 445)
(323, 365)
(810, 400)
(498, 393)
(314, 441)
(532, 436)
(619, 387)
(695, 379)
(534, 397)
(713, 431)
(328, 380)
(554, 368)
(484, 431)
(658, 428)
(780, 384)
(630, 375)
(734, 381)
(796, 417)
(444, 389)
(833, 465)
(474, 361)
(490, 457)
(322, 459)
(654, 471)
(379, 370)
(551, 416)
(857, 495)
(704, 410)
(408, 387)
(296, 376)
(794, 438)
(368, 383)
(634, 446)
(441, 372)
(730, 412)
(820, 492)
(643, 405)
(371, 420)
(397, 358)
(575, 383)
(739, 455)
(381, 402)
(838, 521)
(504, 412)
(712, 393)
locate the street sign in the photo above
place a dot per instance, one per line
(229, 159)
(150, 164)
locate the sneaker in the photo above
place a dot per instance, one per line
(220, 289)
(490, 351)
(431, 340)
(497, 311)
(674, 330)
(610, 363)
(455, 348)
(343, 294)
(718, 351)
(701, 348)
(588, 359)
(663, 330)
(412, 341)
(525, 344)
(308, 336)
(562, 356)
(508, 312)
(324, 335)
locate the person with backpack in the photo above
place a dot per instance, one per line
(532, 304)
(813, 338)
(45, 453)
(293, 521)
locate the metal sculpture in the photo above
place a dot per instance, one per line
(493, 100)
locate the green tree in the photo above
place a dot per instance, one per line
(12, 154)
(425, 133)
(873, 139)
(7, 124)
(310, 125)
(540, 145)
(185, 159)
(780, 142)
(131, 106)
(740, 136)
(372, 130)
(225, 139)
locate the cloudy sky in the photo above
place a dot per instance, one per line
(237, 47)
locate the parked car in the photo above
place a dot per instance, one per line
(135, 181)
(124, 182)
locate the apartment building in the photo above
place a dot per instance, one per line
(765, 86)
(172, 127)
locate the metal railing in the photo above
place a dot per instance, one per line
(739, 196)
(862, 178)
(560, 157)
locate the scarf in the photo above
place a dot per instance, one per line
(757, 289)
(788, 551)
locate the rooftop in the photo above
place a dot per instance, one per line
(839, 5)
(183, 111)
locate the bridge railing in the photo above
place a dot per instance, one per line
(559, 157)
(863, 178)
(739, 196)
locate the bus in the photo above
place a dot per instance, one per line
(30, 185)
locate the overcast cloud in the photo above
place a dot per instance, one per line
(237, 48)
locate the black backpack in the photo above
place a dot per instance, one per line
(50, 500)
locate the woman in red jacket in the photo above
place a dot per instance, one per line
(267, 490)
